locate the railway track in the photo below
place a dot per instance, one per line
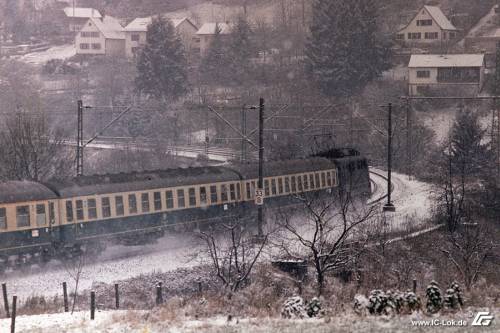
(379, 199)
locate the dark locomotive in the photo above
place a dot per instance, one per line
(61, 219)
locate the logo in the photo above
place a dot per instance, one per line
(483, 318)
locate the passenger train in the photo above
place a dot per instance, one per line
(41, 221)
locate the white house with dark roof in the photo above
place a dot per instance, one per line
(207, 32)
(464, 73)
(101, 37)
(135, 34)
(429, 25)
(78, 16)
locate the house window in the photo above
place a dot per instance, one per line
(213, 194)
(431, 35)
(423, 74)
(79, 210)
(400, 36)
(119, 205)
(132, 204)
(459, 75)
(453, 35)
(414, 35)
(106, 207)
(145, 202)
(69, 211)
(41, 218)
(3, 218)
(192, 197)
(170, 199)
(180, 198)
(94, 34)
(424, 23)
(157, 200)
(91, 209)
(85, 34)
(96, 46)
(135, 37)
(84, 46)
(23, 216)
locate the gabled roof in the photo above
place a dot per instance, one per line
(141, 23)
(438, 17)
(109, 26)
(209, 29)
(446, 60)
(81, 12)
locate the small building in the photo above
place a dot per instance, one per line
(78, 16)
(101, 37)
(485, 36)
(460, 73)
(206, 34)
(135, 34)
(429, 25)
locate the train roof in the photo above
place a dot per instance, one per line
(24, 190)
(276, 168)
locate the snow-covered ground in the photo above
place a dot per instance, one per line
(153, 322)
(117, 263)
(57, 52)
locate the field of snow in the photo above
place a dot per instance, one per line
(57, 52)
(152, 322)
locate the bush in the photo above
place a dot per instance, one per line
(293, 308)
(453, 299)
(434, 298)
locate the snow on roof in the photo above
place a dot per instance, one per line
(109, 26)
(446, 60)
(209, 29)
(141, 23)
(440, 18)
(81, 12)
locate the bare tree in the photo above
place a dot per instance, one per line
(232, 252)
(31, 150)
(74, 268)
(328, 235)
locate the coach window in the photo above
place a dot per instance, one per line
(213, 194)
(329, 179)
(294, 186)
(223, 193)
(266, 187)
(69, 211)
(306, 184)
(79, 210)
(311, 180)
(248, 190)
(192, 197)
(181, 203)
(238, 191)
(92, 208)
(3, 218)
(145, 202)
(203, 195)
(132, 204)
(157, 200)
(273, 186)
(287, 185)
(232, 192)
(41, 217)
(23, 216)
(280, 185)
(299, 183)
(323, 179)
(106, 207)
(169, 196)
(316, 180)
(119, 205)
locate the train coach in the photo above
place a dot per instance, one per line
(61, 219)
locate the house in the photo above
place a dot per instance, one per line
(101, 37)
(78, 16)
(463, 73)
(429, 25)
(135, 34)
(485, 36)
(205, 35)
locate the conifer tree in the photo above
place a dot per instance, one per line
(214, 65)
(241, 48)
(162, 64)
(345, 50)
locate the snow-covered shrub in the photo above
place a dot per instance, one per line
(379, 303)
(314, 307)
(395, 300)
(293, 308)
(361, 304)
(412, 302)
(434, 298)
(453, 298)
